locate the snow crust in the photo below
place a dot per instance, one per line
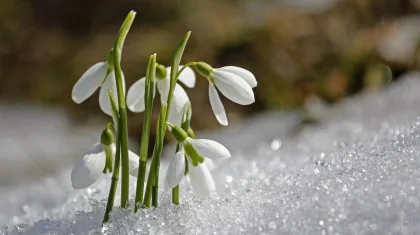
(355, 172)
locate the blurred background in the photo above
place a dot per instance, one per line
(299, 51)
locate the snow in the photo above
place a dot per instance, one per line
(357, 171)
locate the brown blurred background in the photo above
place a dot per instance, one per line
(296, 48)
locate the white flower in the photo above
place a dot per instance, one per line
(90, 167)
(195, 150)
(135, 95)
(91, 80)
(233, 82)
(201, 179)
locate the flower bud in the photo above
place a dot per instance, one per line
(204, 69)
(107, 138)
(161, 72)
(191, 133)
(179, 134)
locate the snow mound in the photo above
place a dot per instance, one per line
(355, 172)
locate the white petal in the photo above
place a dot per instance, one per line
(176, 169)
(88, 169)
(179, 101)
(163, 86)
(201, 179)
(104, 101)
(217, 105)
(135, 96)
(89, 82)
(243, 73)
(209, 148)
(187, 77)
(133, 163)
(209, 163)
(233, 87)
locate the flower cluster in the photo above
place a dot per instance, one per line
(111, 155)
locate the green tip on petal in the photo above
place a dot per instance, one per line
(204, 69)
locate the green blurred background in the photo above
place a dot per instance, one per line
(297, 49)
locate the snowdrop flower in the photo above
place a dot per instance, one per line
(195, 150)
(135, 95)
(99, 75)
(98, 160)
(233, 82)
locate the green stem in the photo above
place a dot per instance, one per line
(148, 194)
(175, 191)
(114, 183)
(185, 125)
(122, 108)
(160, 139)
(153, 184)
(184, 67)
(116, 168)
(144, 145)
(175, 195)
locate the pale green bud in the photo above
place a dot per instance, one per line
(204, 69)
(161, 72)
(107, 138)
(191, 133)
(179, 134)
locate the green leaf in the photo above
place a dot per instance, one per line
(177, 57)
(174, 70)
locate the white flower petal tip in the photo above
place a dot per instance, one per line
(176, 169)
(243, 73)
(133, 163)
(179, 101)
(209, 148)
(89, 82)
(187, 77)
(201, 180)
(88, 169)
(233, 87)
(104, 102)
(217, 106)
(163, 86)
(135, 96)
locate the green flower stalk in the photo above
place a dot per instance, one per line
(116, 170)
(123, 130)
(144, 145)
(186, 120)
(153, 183)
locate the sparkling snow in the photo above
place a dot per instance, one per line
(355, 172)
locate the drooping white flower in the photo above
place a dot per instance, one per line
(135, 95)
(201, 179)
(195, 150)
(233, 82)
(91, 166)
(91, 80)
